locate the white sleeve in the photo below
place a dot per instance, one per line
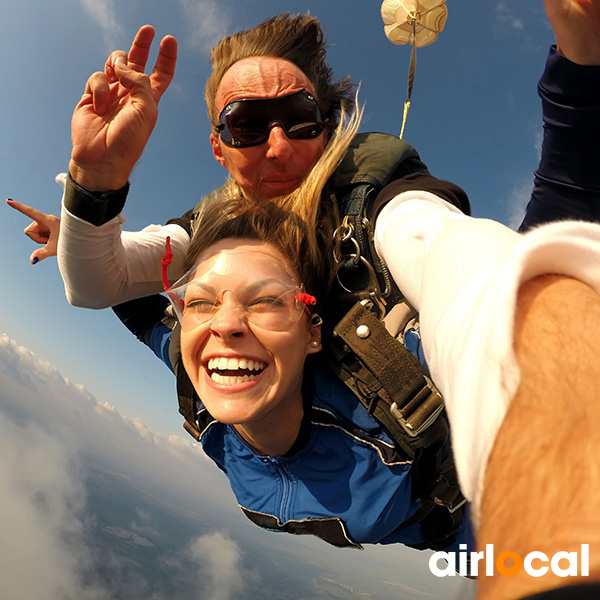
(463, 275)
(103, 266)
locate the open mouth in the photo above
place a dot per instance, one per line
(233, 371)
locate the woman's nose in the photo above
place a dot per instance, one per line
(229, 319)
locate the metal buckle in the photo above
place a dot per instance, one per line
(426, 392)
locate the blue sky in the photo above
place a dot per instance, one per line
(475, 119)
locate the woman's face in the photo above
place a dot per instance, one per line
(245, 356)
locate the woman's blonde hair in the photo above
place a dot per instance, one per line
(300, 225)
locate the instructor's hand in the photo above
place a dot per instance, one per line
(116, 115)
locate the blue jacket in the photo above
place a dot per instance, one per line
(344, 482)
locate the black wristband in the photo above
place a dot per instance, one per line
(96, 208)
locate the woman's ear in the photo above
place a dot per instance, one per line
(314, 335)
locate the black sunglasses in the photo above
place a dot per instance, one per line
(248, 122)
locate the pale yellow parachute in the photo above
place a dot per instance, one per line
(414, 22)
(423, 19)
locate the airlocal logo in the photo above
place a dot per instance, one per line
(509, 564)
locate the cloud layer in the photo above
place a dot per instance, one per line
(50, 429)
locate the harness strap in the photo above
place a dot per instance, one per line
(390, 381)
(441, 515)
(186, 394)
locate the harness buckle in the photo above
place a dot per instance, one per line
(423, 409)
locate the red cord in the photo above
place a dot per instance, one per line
(165, 262)
(307, 299)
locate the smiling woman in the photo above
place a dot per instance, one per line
(245, 336)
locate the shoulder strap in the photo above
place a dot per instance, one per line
(376, 159)
(371, 162)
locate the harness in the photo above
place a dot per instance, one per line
(365, 349)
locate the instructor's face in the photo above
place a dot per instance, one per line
(279, 165)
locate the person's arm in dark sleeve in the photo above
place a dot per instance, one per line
(567, 181)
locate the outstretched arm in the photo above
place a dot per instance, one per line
(143, 317)
(510, 327)
(566, 184)
(116, 115)
(542, 484)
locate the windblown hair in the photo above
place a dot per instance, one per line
(300, 225)
(295, 38)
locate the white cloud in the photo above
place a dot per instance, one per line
(506, 18)
(41, 519)
(538, 139)
(520, 194)
(105, 15)
(219, 560)
(69, 410)
(207, 21)
(48, 428)
(519, 197)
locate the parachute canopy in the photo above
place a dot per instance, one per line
(423, 19)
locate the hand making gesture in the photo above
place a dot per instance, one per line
(576, 25)
(116, 115)
(43, 230)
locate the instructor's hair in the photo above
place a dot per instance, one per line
(296, 38)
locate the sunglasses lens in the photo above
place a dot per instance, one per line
(248, 122)
(244, 127)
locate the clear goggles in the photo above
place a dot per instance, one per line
(253, 284)
(248, 122)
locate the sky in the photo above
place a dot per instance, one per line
(475, 120)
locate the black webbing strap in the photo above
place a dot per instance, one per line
(186, 394)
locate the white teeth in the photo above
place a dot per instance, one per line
(233, 364)
(226, 380)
